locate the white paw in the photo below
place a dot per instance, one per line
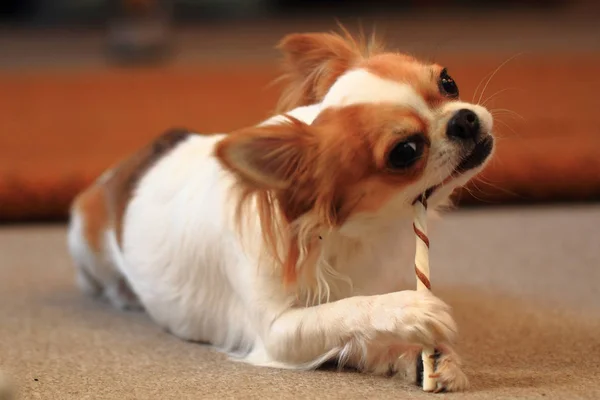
(122, 297)
(87, 284)
(413, 317)
(449, 372)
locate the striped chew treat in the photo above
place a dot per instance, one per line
(428, 355)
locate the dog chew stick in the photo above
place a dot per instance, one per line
(428, 355)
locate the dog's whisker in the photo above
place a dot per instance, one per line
(497, 187)
(499, 92)
(507, 126)
(479, 85)
(494, 74)
(475, 196)
(501, 111)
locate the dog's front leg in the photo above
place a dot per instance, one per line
(358, 329)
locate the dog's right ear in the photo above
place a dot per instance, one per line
(313, 62)
(272, 157)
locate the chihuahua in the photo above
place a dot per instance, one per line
(284, 244)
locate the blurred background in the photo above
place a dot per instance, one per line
(85, 82)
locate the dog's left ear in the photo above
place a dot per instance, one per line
(313, 61)
(270, 156)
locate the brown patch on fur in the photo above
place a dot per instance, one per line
(121, 185)
(92, 205)
(314, 61)
(307, 178)
(372, 194)
(104, 203)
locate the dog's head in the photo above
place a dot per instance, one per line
(390, 128)
(339, 70)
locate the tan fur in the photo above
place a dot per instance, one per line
(313, 61)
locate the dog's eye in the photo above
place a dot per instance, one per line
(447, 85)
(406, 153)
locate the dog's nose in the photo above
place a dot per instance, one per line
(464, 125)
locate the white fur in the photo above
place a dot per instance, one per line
(199, 279)
(360, 86)
(306, 114)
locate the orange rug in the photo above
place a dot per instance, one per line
(60, 129)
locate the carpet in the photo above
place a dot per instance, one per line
(523, 283)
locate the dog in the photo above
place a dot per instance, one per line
(283, 244)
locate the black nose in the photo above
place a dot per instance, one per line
(464, 124)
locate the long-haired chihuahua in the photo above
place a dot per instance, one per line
(283, 244)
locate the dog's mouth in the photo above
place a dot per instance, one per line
(474, 159)
(478, 155)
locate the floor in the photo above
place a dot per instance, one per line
(523, 283)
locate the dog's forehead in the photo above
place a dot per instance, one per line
(366, 119)
(362, 86)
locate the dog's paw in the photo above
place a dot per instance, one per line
(415, 317)
(449, 372)
(122, 297)
(87, 284)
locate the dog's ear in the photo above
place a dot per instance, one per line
(314, 61)
(269, 156)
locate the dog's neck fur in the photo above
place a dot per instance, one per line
(360, 264)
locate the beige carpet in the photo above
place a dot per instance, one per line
(524, 284)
